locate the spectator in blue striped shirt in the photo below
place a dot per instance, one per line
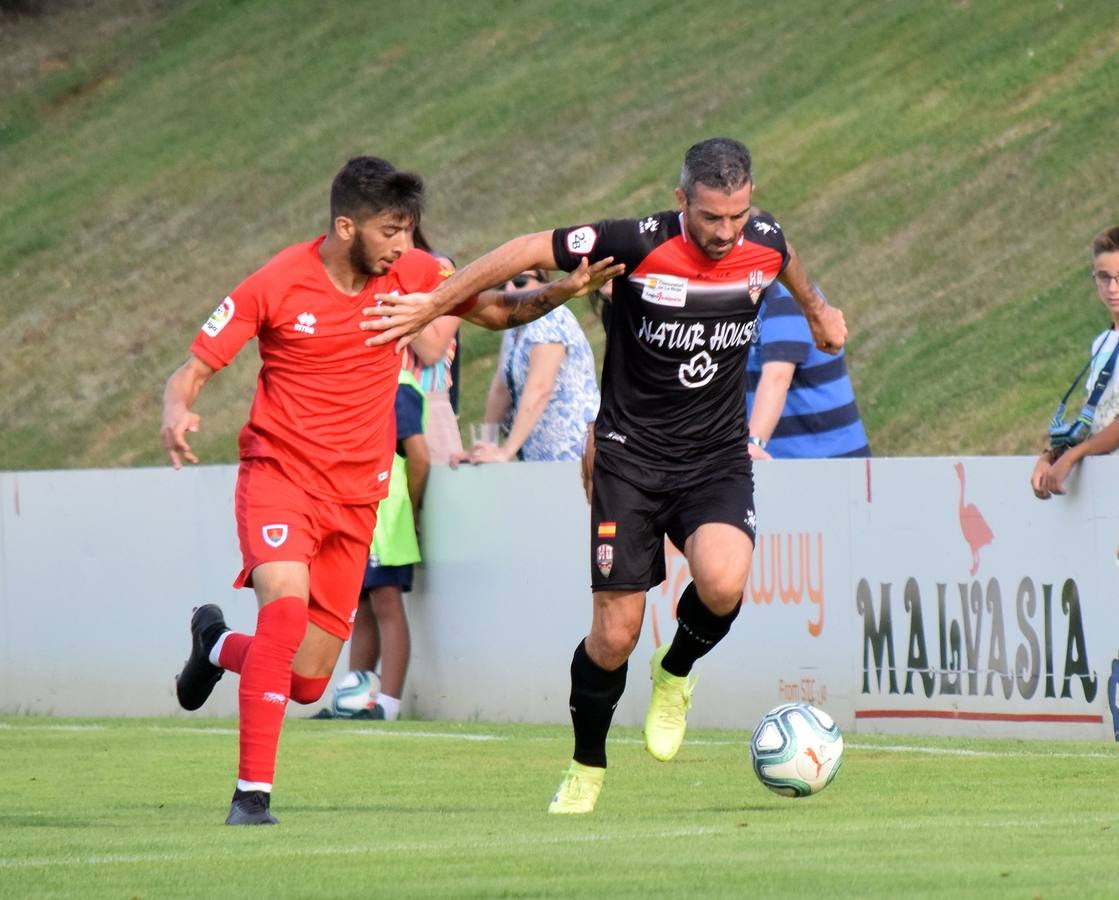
(799, 400)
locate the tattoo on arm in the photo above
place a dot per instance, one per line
(522, 307)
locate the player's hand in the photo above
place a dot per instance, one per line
(1041, 467)
(174, 433)
(398, 317)
(757, 452)
(1053, 479)
(829, 329)
(589, 277)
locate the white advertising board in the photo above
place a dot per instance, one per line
(932, 595)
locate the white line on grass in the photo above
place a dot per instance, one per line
(962, 751)
(393, 732)
(111, 859)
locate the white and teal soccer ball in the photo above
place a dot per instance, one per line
(796, 749)
(357, 691)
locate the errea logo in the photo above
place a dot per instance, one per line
(305, 322)
(647, 224)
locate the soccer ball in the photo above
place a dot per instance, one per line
(796, 750)
(357, 691)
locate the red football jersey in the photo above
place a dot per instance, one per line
(324, 401)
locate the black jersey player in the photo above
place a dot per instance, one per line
(671, 454)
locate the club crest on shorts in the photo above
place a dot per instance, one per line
(274, 535)
(604, 558)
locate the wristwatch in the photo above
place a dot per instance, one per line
(756, 441)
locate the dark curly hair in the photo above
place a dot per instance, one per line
(368, 185)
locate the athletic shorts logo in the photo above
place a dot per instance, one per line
(581, 241)
(604, 558)
(219, 318)
(274, 535)
(665, 290)
(607, 530)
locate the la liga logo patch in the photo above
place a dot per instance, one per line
(219, 318)
(274, 535)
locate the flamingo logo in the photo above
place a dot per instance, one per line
(975, 529)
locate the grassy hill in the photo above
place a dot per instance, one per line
(940, 166)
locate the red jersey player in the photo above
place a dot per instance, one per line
(316, 451)
(315, 455)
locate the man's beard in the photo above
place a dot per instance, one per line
(359, 260)
(708, 247)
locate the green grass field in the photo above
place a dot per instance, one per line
(134, 808)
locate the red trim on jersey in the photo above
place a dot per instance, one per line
(746, 263)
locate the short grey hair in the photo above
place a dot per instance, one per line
(721, 163)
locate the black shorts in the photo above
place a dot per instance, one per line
(386, 576)
(629, 523)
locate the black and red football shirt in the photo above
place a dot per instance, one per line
(680, 326)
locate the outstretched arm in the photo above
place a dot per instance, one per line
(498, 309)
(829, 330)
(399, 318)
(179, 394)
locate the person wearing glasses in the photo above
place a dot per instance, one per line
(1102, 437)
(670, 438)
(543, 393)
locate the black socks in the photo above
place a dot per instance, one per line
(594, 694)
(697, 631)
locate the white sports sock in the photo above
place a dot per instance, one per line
(254, 786)
(215, 651)
(391, 706)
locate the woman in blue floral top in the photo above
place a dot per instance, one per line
(544, 392)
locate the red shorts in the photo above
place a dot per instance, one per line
(277, 521)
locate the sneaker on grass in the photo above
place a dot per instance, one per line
(667, 717)
(194, 684)
(250, 808)
(578, 792)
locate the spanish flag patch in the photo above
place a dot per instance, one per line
(607, 529)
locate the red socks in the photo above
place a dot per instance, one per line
(266, 680)
(307, 690)
(232, 658)
(233, 651)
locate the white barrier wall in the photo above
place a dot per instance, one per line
(903, 595)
